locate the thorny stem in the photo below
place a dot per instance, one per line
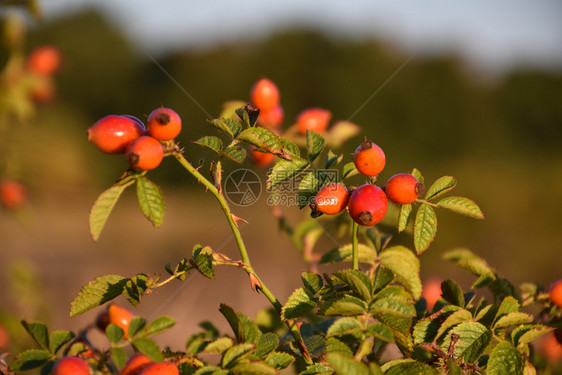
(355, 247)
(242, 248)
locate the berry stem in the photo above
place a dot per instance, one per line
(243, 252)
(355, 246)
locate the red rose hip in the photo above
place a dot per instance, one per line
(369, 158)
(367, 205)
(163, 368)
(112, 134)
(313, 119)
(261, 159)
(264, 94)
(136, 364)
(44, 60)
(330, 200)
(163, 124)
(70, 366)
(403, 188)
(121, 317)
(13, 195)
(555, 293)
(144, 153)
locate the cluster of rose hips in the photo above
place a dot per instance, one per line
(265, 95)
(142, 145)
(368, 203)
(42, 63)
(137, 365)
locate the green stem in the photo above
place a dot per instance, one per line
(242, 248)
(355, 246)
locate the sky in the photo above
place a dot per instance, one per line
(494, 35)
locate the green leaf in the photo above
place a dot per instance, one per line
(452, 293)
(136, 324)
(59, 339)
(119, 357)
(344, 365)
(345, 326)
(405, 265)
(456, 318)
(462, 205)
(393, 306)
(30, 359)
(135, 288)
(151, 201)
(158, 325)
(203, 260)
(291, 147)
(358, 282)
(332, 159)
(526, 333)
(261, 138)
(102, 208)
(233, 321)
(299, 303)
(210, 142)
(505, 360)
(227, 125)
(149, 348)
(38, 332)
(285, 170)
(248, 114)
(380, 331)
(425, 228)
(340, 132)
(312, 282)
(252, 368)
(252, 333)
(345, 306)
(235, 153)
(440, 187)
(219, 346)
(114, 333)
(473, 340)
(211, 370)
(235, 353)
(315, 344)
(344, 254)
(314, 144)
(308, 188)
(417, 174)
(509, 305)
(472, 263)
(407, 367)
(349, 170)
(279, 360)
(405, 211)
(97, 292)
(267, 343)
(513, 319)
(317, 369)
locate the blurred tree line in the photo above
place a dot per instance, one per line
(500, 136)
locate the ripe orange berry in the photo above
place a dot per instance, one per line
(369, 158)
(431, 291)
(43, 90)
(163, 124)
(264, 94)
(163, 368)
(555, 293)
(4, 339)
(367, 205)
(330, 200)
(121, 317)
(44, 60)
(403, 188)
(314, 119)
(271, 119)
(13, 195)
(86, 350)
(551, 348)
(136, 364)
(144, 153)
(70, 366)
(112, 134)
(261, 159)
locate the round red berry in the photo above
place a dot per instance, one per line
(144, 153)
(555, 293)
(162, 368)
(330, 200)
(271, 119)
(112, 134)
(13, 195)
(44, 60)
(163, 124)
(313, 119)
(261, 159)
(264, 94)
(121, 317)
(367, 205)
(369, 158)
(403, 188)
(70, 366)
(136, 364)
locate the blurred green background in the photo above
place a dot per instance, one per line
(499, 134)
